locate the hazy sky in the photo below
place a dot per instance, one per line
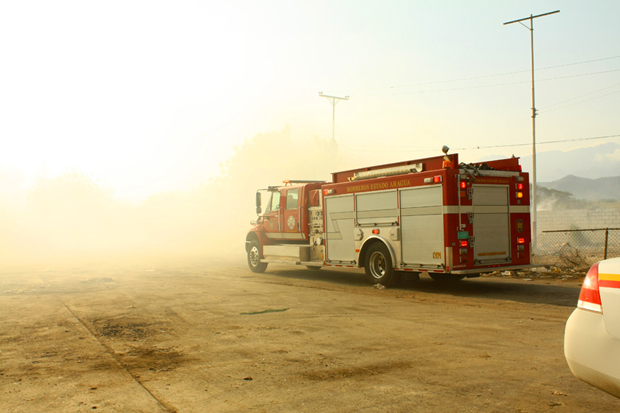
(150, 95)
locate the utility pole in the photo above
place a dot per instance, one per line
(333, 100)
(531, 29)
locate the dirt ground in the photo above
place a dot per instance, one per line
(205, 335)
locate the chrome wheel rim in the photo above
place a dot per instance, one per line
(377, 265)
(254, 256)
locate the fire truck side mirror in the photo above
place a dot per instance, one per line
(258, 203)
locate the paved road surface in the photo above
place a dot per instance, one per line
(197, 335)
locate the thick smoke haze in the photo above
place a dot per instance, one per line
(72, 216)
(76, 217)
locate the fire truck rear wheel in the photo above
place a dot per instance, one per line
(254, 258)
(378, 266)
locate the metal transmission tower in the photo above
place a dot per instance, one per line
(531, 29)
(333, 100)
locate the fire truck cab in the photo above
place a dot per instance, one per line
(430, 215)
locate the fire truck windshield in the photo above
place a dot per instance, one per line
(274, 202)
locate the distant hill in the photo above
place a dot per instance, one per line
(593, 162)
(588, 189)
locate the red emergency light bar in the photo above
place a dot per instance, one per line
(435, 179)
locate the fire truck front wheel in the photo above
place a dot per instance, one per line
(254, 258)
(378, 266)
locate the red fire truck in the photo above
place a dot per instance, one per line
(430, 215)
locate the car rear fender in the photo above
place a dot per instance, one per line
(609, 288)
(591, 353)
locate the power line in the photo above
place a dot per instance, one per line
(580, 96)
(582, 74)
(539, 143)
(578, 63)
(587, 100)
(488, 86)
(482, 76)
(405, 148)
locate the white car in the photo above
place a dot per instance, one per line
(592, 337)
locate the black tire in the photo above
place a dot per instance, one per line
(378, 265)
(446, 278)
(254, 258)
(312, 267)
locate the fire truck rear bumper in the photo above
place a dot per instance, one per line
(491, 269)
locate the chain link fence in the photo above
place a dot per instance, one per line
(576, 249)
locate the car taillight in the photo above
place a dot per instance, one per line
(590, 298)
